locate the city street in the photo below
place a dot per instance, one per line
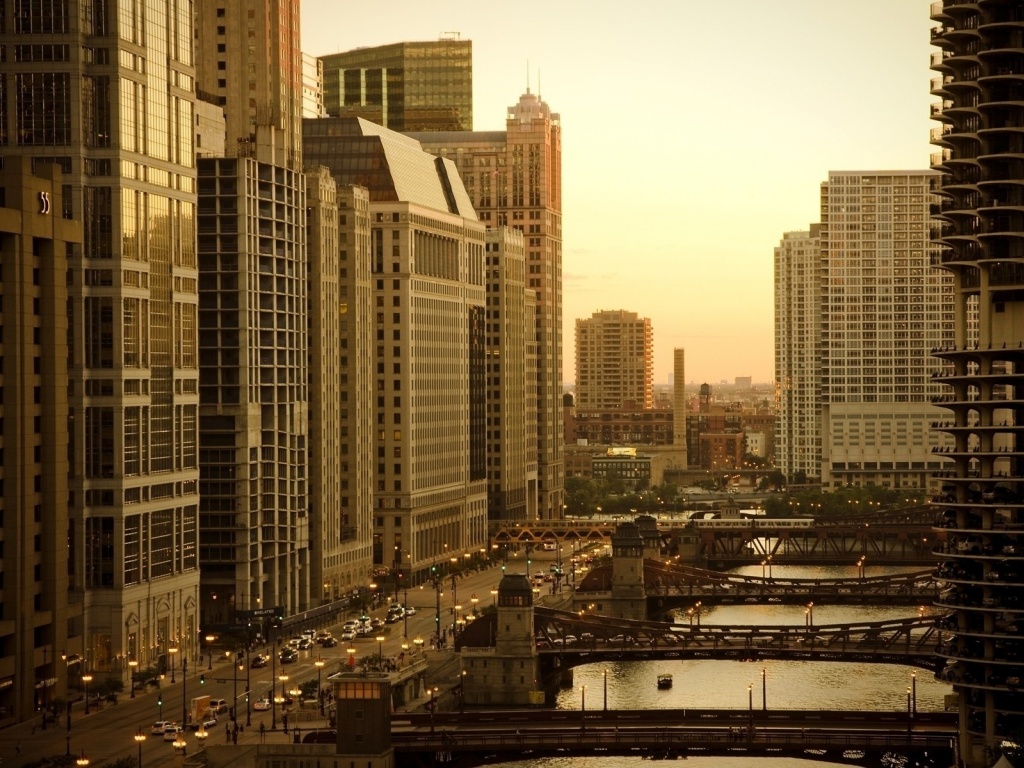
(108, 732)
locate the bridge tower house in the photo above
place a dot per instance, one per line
(509, 674)
(651, 536)
(629, 597)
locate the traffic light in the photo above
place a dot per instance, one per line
(159, 701)
(202, 679)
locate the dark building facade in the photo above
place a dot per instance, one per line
(980, 88)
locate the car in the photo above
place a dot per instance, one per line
(310, 633)
(288, 656)
(171, 732)
(305, 644)
(349, 634)
(351, 624)
(218, 706)
(365, 630)
(258, 661)
(393, 617)
(159, 727)
(376, 623)
(328, 642)
(262, 705)
(209, 722)
(410, 610)
(322, 635)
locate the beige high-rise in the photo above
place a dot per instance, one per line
(514, 178)
(614, 361)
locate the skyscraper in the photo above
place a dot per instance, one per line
(980, 87)
(249, 61)
(514, 178)
(882, 310)
(124, 138)
(254, 314)
(797, 353)
(614, 361)
(418, 86)
(427, 267)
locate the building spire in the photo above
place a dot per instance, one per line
(527, 76)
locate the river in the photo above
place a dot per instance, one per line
(730, 684)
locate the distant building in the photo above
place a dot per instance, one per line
(744, 382)
(412, 86)
(614, 361)
(797, 360)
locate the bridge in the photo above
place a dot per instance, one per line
(564, 639)
(896, 536)
(855, 738)
(669, 586)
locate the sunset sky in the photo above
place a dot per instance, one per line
(694, 134)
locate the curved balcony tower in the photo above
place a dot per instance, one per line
(980, 85)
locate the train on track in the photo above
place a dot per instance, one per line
(754, 524)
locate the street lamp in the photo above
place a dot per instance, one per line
(201, 735)
(82, 761)
(172, 650)
(456, 611)
(86, 679)
(764, 689)
(209, 650)
(352, 657)
(810, 614)
(913, 688)
(319, 664)
(184, 697)
(583, 707)
(494, 596)
(131, 666)
(275, 700)
(180, 744)
(235, 667)
(432, 704)
(418, 642)
(380, 649)
(909, 713)
(139, 738)
(474, 600)
(604, 672)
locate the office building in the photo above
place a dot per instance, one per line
(514, 178)
(254, 315)
(249, 62)
(679, 407)
(427, 266)
(123, 138)
(882, 310)
(37, 243)
(417, 86)
(341, 405)
(979, 89)
(797, 358)
(511, 411)
(614, 361)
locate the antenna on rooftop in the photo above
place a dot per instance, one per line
(451, 35)
(527, 76)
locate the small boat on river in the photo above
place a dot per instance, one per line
(664, 682)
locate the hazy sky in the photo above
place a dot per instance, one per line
(694, 134)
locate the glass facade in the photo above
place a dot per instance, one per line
(425, 86)
(133, 378)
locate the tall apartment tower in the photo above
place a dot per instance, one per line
(514, 178)
(249, 61)
(679, 420)
(340, 385)
(797, 354)
(882, 310)
(123, 137)
(614, 361)
(980, 87)
(511, 465)
(253, 262)
(417, 86)
(427, 266)
(36, 243)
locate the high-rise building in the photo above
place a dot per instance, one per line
(124, 138)
(37, 243)
(341, 405)
(511, 464)
(417, 86)
(427, 267)
(797, 360)
(980, 87)
(249, 61)
(514, 178)
(882, 310)
(614, 361)
(254, 296)
(679, 407)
